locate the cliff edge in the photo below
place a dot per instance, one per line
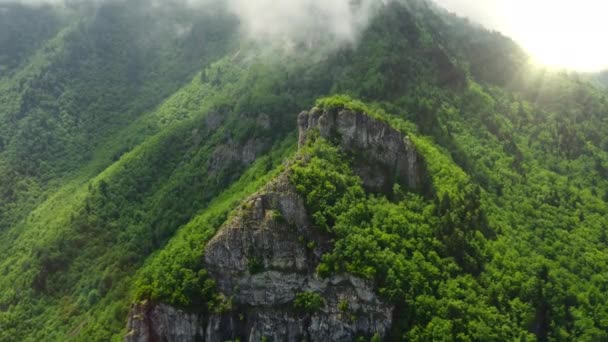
(264, 257)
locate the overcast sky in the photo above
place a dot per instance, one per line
(561, 33)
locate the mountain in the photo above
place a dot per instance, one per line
(603, 78)
(164, 176)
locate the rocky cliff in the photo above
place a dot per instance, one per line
(262, 258)
(383, 155)
(160, 322)
(266, 254)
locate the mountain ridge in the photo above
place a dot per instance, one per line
(120, 157)
(259, 255)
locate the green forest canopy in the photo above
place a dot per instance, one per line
(114, 170)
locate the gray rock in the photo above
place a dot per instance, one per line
(279, 241)
(263, 121)
(161, 322)
(213, 121)
(269, 250)
(231, 153)
(384, 156)
(272, 228)
(303, 128)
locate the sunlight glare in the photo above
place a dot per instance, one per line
(558, 33)
(565, 34)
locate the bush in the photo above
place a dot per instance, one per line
(308, 302)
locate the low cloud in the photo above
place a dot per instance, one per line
(303, 21)
(31, 2)
(279, 23)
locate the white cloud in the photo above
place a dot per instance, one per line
(303, 21)
(283, 22)
(562, 33)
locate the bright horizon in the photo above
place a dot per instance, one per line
(556, 33)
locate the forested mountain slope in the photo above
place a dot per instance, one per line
(603, 78)
(132, 132)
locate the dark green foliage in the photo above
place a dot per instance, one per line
(255, 265)
(98, 75)
(23, 29)
(412, 249)
(128, 134)
(323, 181)
(308, 302)
(177, 270)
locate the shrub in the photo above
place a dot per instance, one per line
(308, 302)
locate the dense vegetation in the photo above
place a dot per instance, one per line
(422, 256)
(129, 133)
(603, 78)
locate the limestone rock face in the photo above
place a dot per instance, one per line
(267, 254)
(268, 251)
(383, 155)
(264, 256)
(230, 154)
(161, 322)
(213, 121)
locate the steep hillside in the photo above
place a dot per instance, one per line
(87, 83)
(157, 182)
(325, 251)
(603, 78)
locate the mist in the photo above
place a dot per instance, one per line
(31, 2)
(560, 33)
(297, 22)
(287, 24)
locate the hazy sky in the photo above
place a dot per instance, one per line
(562, 33)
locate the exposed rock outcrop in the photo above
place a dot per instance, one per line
(232, 151)
(160, 322)
(262, 258)
(267, 254)
(231, 154)
(384, 156)
(268, 251)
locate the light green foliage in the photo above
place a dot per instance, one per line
(129, 133)
(375, 111)
(376, 338)
(343, 306)
(276, 216)
(308, 302)
(176, 275)
(447, 177)
(324, 180)
(346, 102)
(411, 249)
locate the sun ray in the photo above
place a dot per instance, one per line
(556, 33)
